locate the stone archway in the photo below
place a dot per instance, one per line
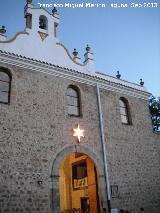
(54, 174)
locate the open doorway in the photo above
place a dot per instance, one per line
(79, 185)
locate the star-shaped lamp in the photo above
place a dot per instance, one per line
(78, 133)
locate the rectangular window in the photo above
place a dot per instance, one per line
(4, 97)
(123, 111)
(79, 170)
(124, 119)
(4, 86)
(72, 101)
(79, 175)
(72, 110)
(5, 81)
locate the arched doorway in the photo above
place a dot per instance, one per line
(79, 185)
(55, 167)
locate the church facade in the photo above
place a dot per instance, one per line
(71, 139)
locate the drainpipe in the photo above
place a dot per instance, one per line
(104, 150)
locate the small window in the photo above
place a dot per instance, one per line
(73, 101)
(124, 111)
(79, 175)
(79, 171)
(43, 23)
(5, 84)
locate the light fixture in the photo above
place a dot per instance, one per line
(78, 133)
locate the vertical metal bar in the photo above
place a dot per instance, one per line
(104, 149)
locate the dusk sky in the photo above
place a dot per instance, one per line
(124, 39)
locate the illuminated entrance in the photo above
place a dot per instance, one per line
(79, 185)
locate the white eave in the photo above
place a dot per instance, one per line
(120, 81)
(105, 81)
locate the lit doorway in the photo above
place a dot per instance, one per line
(79, 185)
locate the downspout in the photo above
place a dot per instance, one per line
(104, 150)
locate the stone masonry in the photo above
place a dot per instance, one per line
(35, 127)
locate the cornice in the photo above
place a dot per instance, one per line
(14, 38)
(43, 67)
(60, 44)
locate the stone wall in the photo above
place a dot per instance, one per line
(133, 155)
(35, 127)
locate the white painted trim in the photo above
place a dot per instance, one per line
(54, 70)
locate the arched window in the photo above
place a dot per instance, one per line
(5, 85)
(43, 23)
(73, 101)
(124, 111)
